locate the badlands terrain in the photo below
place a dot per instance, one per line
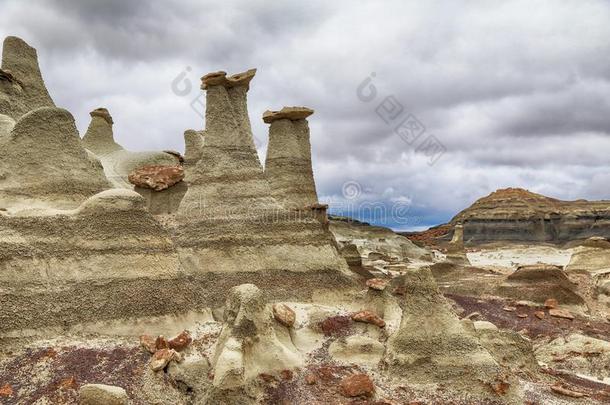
(205, 277)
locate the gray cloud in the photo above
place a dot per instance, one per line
(517, 92)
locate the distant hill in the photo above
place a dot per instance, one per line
(515, 214)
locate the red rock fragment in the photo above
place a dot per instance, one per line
(550, 303)
(156, 177)
(356, 385)
(180, 342)
(311, 379)
(162, 357)
(522, 315)
(284, 314)
(161, 343)
(148, 343)
(539, 314)
(6, 390)
(376, 284)
(368, 317)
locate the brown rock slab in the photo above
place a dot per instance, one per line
(291, 113)
(220, 79)
(148, 343)
(368, 317)
(561, 389)
(284, 314)
(162, 357)
(356, 385)
(161, 343)
(180, 342)
(376, 284)
(561, 313)
(156, 177)
(550, 303)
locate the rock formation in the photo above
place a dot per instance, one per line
(288, 164)
(229, 220)
(431, 345)
(22, 88)
(537, 283)
(107, 259)
(592, 256)
(118, 163)
(193, 147)
(251, 341)
(517, 215)
(45, 165)
(370, 239)
(455, 250)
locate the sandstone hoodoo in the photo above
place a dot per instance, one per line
(288, 164)
(230, 217)
(118, 163)
(22, 88)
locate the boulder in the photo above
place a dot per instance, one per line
(284, 314)
(156, 177)
(368, 317)
(357, 385)
(99, 394)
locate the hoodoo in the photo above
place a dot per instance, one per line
(229, 220)
(288, 164)
(22, 88)
(118, 163)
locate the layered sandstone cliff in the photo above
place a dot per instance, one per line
(518, 215)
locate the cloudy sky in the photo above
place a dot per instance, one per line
(421, 107)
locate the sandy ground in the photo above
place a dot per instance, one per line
(511, 258)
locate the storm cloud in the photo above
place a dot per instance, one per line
(516, 93)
